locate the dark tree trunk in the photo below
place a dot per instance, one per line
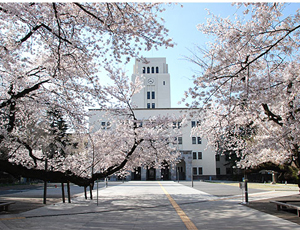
(85, 194)
(45, 184)
(91, 190)
(63, 192)
(69, 193)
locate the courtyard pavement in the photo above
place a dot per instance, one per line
(154, 205)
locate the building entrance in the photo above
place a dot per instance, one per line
(181, 170)
(136, 174)
(151, 174)
(165, 171)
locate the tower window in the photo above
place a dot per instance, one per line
(153, 95)
(148, 105)
(148, 69)
(199, 140)
(157, 70)
(144, 69)
(164, 82)
(194, 155)
(199, 155)
(153, 105)
(193, 124)
(148, 95)
(193, 140)
(152, 69)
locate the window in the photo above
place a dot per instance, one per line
(194, 171)
(193, 124)
(148, 95)
(218, 170)
(152, 69)
(105, 125)
(200, 170)
(193, 140)
(164, 82)
(157, 70)
(148, 105)
(199, 140)
(196, 140)
(176, 125)
(153, 95)
(199, 155)
(148, 69)
(180, 140)
(144, 69)
(194, 156)
(218, 157)
(153, 105)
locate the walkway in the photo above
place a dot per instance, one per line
(149, 205)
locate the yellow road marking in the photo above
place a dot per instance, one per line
(13, 218)
(185, 219)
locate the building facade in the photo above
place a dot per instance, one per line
(154, 99)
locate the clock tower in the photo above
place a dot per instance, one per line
(156, 91)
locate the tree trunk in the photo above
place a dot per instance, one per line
(69, 193)
(85, 194)
(63, 192)
(45, 184)
(91, 191)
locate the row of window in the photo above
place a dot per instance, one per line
(195, 123)
(195, 140)
(150, 105)
(150, 95)
(197, 155)
(152, 69)
(197, 171)
(105, 125)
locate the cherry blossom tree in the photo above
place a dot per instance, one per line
(51, 56)
(249, 77)
(127, 142)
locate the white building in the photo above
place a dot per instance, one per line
(155, 99)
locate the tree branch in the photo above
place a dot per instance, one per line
(22, 94)
(271, 115)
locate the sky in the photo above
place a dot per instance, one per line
(182, 24)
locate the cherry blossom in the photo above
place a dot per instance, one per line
(250, 77)
(54, 56)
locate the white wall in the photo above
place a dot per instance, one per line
(207, 162)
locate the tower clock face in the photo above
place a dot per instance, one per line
(150, 81)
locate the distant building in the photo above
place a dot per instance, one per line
(155, 99)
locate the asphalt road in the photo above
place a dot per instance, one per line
(216, 189)
(151, 205)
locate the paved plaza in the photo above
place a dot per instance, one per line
(153, 205)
